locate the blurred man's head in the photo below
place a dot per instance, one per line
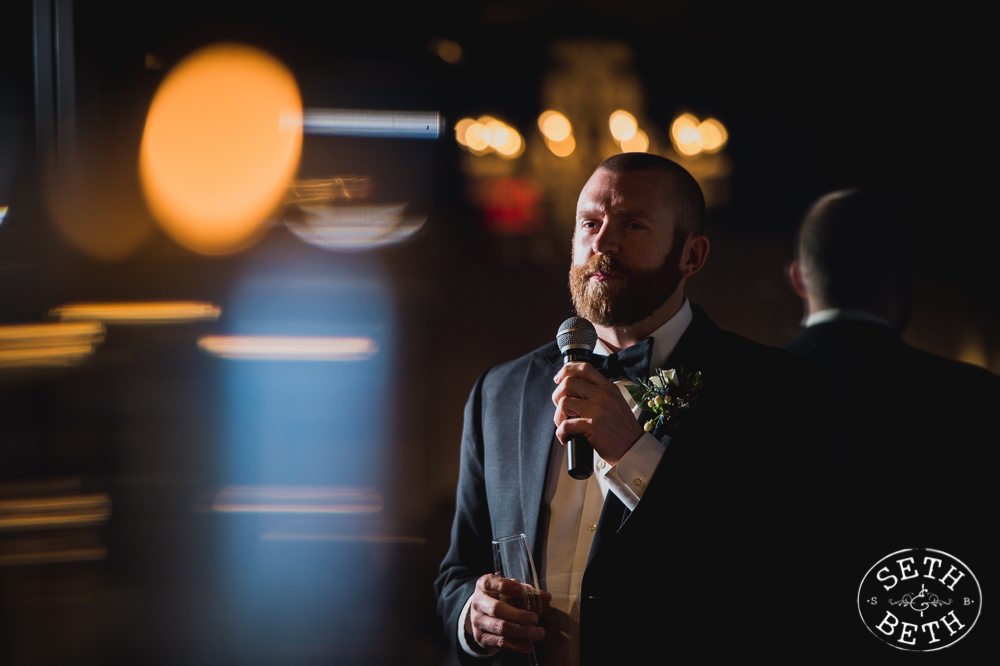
(639, 235)
(853, 252)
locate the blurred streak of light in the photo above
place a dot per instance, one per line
(355, 227)
(448, 50)
(713, 135)
(289, 348)
(54, 512)
(367, 123)
(562, 148)
(52, 549)
(461, 128)
(216, 157)
(639, 143)
(623, 126)
(322, 191)
(32, 345)
(555, 126)
(167, 312)
(3, 213)
(297, 499)
(298, 536)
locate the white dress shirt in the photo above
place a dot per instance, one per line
(573, 507)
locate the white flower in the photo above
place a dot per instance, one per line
(656, 381)
(671, 376)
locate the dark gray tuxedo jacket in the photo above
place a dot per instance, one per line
(710, 560)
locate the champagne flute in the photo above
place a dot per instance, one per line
(512, 559)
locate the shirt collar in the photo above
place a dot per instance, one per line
(665, 338)
(843, 314)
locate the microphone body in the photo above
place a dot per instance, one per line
(579, 452)
(577, 338)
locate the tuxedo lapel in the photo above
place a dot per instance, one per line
(537, 431)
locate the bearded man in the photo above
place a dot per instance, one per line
(690, 537)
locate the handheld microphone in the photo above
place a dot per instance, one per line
(577, 338)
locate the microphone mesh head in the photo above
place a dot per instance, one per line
(576, 333)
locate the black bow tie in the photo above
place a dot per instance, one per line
(631, 362)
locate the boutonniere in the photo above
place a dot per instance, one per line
(669, 394)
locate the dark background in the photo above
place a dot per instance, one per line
(816, 97)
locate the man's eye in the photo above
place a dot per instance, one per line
(634, 225)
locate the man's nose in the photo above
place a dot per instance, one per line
(606, 240)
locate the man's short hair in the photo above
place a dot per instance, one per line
(685, 191)
(855, 250)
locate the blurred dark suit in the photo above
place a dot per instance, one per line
(919, 434)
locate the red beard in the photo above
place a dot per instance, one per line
(631, 297)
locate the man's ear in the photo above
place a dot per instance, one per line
(696, 249)
(795, 278)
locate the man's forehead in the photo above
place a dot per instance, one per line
(629, 193)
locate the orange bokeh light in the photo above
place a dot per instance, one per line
(221, 145)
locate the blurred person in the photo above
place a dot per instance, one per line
(917, 429)
(688, 537)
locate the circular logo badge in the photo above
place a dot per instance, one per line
(919, 599)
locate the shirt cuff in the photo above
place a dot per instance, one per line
(631, 476)
(467, 641)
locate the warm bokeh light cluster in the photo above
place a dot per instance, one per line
(558, 133)
(487, 134)
(625, 130)
(219, 151)
(692, 136)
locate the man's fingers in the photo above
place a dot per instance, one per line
(491, 584)
(575, 408)
(582, 370)
(575, 387)
(499, 627)
(492, 607)
(498, 624)
(571, 427)
(504, 643)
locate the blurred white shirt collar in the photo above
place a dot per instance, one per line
(842, 314)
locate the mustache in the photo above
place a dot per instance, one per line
(606, 264)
